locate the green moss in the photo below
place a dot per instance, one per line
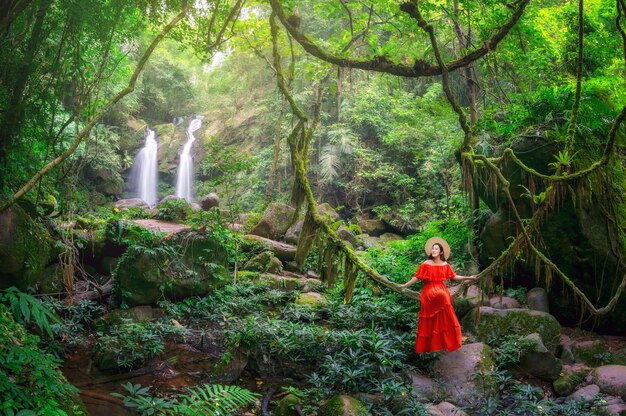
(310, 299)
(26, 248)
(342, 406)
(494, 324)
(591, 354)
(286, 406)
(566, 385)
(265, 262)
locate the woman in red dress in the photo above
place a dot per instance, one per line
(437, 326)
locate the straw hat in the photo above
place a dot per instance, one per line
(444, 244)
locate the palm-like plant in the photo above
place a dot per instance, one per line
(341, 143)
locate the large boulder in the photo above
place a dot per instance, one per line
(445, 409)
(494, 324)
(537, 299)
(458, 372)
(539, 362)
(254, 243)
(611, 379)
(26, 248)
(367, 241)
(589, 352)
(424, 388)
(293, 233)
(345, 234)
(264, 262)
(275, 222)
(210, 201)
(287, 406)
(196, 266)
(568, 382)
(389, 237)
(372, 227)
(328, 212)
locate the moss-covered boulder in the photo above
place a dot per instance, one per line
(275, 221)
(578, 236)
(328, 212)
(494, 324)
(342, 405)
(389, 237)
(589, 352)
(256, 244)
(347, 235)
(191, 264)
(293, 233)
(367, 241)
(372, 227)
(26, 249)
(286, 406)
(311, 299)
(264, 262)
(567, 384)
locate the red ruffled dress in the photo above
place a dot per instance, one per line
(437, 326)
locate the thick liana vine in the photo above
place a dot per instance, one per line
(315, 228)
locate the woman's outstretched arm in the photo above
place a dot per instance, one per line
(410, 282)
(460, 278)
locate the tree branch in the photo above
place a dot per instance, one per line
(380, 63)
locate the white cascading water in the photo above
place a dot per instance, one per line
(144, 173)
(184, 181)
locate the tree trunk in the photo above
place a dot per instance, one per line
(15, 109)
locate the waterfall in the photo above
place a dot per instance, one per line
(144, 173)
(184, 181)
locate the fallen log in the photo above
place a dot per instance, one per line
(283, 251)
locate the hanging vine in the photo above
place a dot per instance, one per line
(334, 249)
